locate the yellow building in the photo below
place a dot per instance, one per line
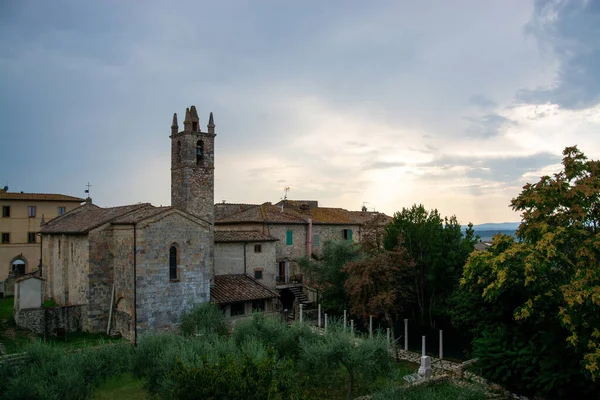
(20, 224)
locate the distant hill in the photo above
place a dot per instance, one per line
(487, 231)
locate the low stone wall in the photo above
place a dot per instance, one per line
(121, 325)
(48, 321)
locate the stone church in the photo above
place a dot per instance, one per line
(138, 268)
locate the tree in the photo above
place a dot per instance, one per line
(548, 282)
(373, 234)
(382, 284)
(439, 250)
(327, 275)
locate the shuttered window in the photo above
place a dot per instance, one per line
(289, 238)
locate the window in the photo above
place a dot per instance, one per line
(5, 237)
(199, 152)
(173, 263)
(258, 305)
(61, 210)
(5, 211)
(238, 309)
(347, 234)
(179, 151)
(258, 273)
(258, 248)
(31, 211)
(194, 126)
(316, 240)
(18, 266)
(289, 238)
(31, 237)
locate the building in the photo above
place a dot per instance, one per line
(138, 268)
(239, 296)
(22, 214)
(300, 227)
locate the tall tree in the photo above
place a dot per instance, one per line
(382, 284)
(439, 250)
(327, 274)
(548, 281)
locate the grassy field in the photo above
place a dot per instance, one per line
(121, 388)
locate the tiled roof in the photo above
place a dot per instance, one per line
(89, 216)
(38, 197)
(140, 214)
(363, 217)
(242, 236)
(223, 210)
(265, 213)
(235, 288)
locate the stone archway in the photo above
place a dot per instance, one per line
(18, 265)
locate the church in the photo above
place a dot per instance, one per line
(137, 268)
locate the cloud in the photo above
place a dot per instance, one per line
(569, 30)
(488, 125)
(481, 101)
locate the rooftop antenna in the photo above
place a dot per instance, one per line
(87, 191)
(286, 190)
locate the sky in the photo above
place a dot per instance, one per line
(451, 104)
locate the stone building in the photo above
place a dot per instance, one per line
(22, 214)
(137, 268)
(239, 296)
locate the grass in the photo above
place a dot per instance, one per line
(6, 308)
(437, 391)
(121, 388)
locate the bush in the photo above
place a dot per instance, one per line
(204, 318)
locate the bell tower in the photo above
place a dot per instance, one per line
(193, 166)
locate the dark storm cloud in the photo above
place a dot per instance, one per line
(571, 30)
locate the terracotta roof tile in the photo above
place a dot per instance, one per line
(242, 236)
(38, 197)
(87, 217)
(235, 288)
(265, 213)
(140, 214)
(223, 210)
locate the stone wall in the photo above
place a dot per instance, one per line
(161, 301)
(46, 321)
(229, 259)
(328, 233)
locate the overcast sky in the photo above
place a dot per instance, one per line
(453, 104)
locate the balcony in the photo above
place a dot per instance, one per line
(283, 282)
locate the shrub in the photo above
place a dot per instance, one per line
(204, 318)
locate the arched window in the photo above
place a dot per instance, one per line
(179, 151)
(199, 152)
(18, 266)
(173, 263)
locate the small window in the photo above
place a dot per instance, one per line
(31, 237)
(31, 211)
(316, 240)
(289, 238)
(258, 274)
(5, 211)
(199, 152)
(173, 263)
(258, 305)
(258, 248)
(61, 210)
(5, 237)
(347, 234)
(238, 309)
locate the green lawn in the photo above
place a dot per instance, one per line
(121, 388)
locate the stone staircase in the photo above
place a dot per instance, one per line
(299, 294)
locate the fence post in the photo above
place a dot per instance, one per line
(325, 322)
(352, 326)
(423, 346)
(344, 320)
(388, 336)
(319, 316)
(406, 334)
(441, 345)
(370, 326)
(301, 312)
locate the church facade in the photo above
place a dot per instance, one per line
(137, 268)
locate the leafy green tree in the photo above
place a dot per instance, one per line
(327, 275)
(204, 318)
(382, 284)
(439, 250)
(543, 289)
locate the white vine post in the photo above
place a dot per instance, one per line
(352, 326)
(370, 326)
(406, 334)
(425, 368)
(388, 336)
(441, 345)
(325, 322)
(344, 320)
(319, 316)
(301, 312)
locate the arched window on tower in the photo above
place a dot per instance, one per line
(179, 151)
(199, 152)
(173, 263)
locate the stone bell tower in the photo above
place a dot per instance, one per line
(193, 166)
